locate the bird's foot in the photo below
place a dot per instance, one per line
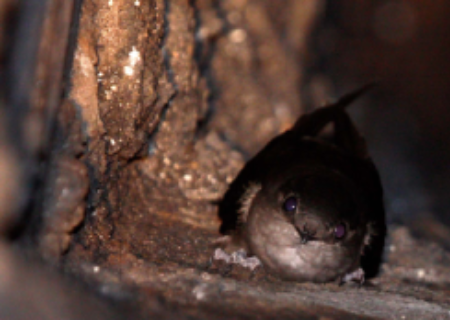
(237, 257)
(355, 276)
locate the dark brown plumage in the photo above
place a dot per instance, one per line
(310, 209)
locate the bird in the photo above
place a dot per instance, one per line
(308, 208)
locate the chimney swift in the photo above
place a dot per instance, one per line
(308, 208)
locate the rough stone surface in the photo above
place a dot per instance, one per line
(174, 261)
(65, 206)
(29, 290)
(144, 87)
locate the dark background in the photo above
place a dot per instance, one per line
(404, 46)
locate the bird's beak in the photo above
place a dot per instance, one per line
(305, 237)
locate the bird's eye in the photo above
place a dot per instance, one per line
(290, 204)
(339, 231)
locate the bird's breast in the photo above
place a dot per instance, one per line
(278, 245)
(314, 261)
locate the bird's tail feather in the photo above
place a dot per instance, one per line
(345, 133)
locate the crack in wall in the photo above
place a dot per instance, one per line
(170, 77)
(165, 52)
(205, 48)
